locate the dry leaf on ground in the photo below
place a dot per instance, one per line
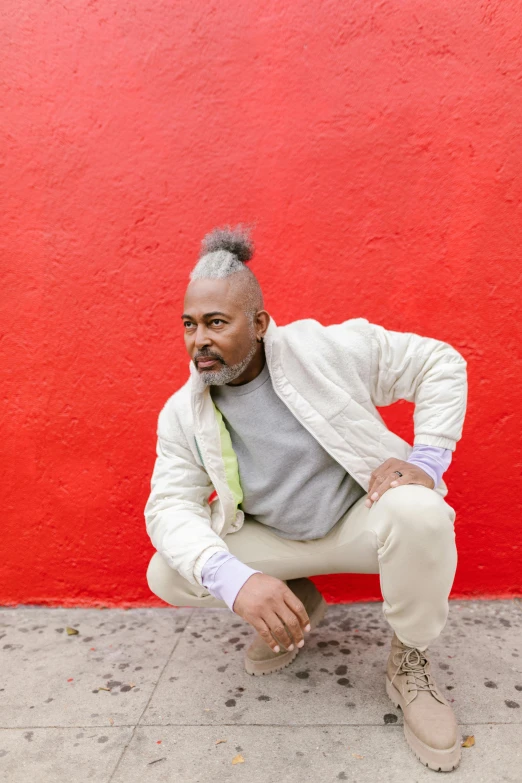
(104, 689)
(238, 759)
(71, 631)
(218, 742)
(357, 756)
(468, 741)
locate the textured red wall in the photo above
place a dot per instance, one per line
(376, 145)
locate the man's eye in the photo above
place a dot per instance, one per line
(186, 324)
(217, 321)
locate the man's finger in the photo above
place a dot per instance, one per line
(297, 607)
(379, 473)
(264, 632)
(375, 492)
(278, 630)
(391, 481)
(292, 624)
(374, 479)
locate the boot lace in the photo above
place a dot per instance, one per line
(414, 663)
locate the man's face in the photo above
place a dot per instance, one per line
(219, 337)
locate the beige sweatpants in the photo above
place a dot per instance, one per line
(407, 537)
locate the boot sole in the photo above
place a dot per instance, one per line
(258, 668)
(438, 760)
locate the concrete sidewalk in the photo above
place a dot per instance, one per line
(161, 695)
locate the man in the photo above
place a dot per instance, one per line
(274, 465)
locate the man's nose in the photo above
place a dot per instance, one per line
(202, 338)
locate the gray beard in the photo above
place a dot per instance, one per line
(229, 372)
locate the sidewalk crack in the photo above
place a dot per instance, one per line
(167, 661)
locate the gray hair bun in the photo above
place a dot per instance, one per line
(234, 240)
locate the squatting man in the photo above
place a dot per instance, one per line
(273, 465)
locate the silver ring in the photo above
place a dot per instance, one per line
(398, 472)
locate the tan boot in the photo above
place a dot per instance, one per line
(430, 726)
(259, 657)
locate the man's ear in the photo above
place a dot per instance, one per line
(262, 320)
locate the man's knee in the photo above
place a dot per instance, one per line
(165, 582)
(418, 510)
(155, 575)
(174, 589)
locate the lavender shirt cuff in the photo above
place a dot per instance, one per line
(432, 459)
(224, 575)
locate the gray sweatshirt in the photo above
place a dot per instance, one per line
(289, 481)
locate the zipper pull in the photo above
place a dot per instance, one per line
(199, 452)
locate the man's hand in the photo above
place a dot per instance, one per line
(269, 605)
(384, 478)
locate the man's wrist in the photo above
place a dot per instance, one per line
(427, 469)
(432, 459)
(224, 575)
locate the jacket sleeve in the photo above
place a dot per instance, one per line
(428, 372)
(177, 512)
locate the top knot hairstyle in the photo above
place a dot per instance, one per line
(236, 241)
(224, 252)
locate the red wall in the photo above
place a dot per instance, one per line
(378, 148)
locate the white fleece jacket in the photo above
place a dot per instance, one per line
(332, 378)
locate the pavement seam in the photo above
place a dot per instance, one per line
(135, 726)
(314, 725)
(241, 725)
